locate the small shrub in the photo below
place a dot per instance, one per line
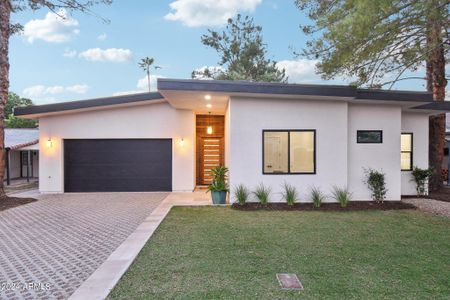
(341, 195)
(262, 192)
(420, 177)
(219, 182)
(241, 194)
(317, 196)
(376, 181)
(289, 194)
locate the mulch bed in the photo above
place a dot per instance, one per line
(352, 206)
(10, 202)
(441, 195)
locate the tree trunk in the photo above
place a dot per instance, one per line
(148, 79)
(5, 15)
(436, 83)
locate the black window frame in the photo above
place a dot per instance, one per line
(411, 160)
(289, 151)
(362, 131)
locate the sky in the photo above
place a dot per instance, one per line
(81, 57)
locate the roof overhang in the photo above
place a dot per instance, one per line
(38, 111)
(32, 145)
(203, 96)
(212, 95)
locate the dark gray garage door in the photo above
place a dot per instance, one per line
(118, 165)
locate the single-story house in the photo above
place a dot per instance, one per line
(271, 133)
(22, 153)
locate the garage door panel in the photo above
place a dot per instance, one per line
(118, 185)
(114, 157)
(110, 171)
(118, 165)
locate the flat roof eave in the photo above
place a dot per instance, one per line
(35, 111)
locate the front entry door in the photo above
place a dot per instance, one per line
(211, 155)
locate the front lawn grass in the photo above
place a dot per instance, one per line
(221, 253)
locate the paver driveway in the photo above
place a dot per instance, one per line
(59, 241)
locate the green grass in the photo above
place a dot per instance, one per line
(220, 253)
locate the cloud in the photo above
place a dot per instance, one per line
(304, 71)
(102, 37)
(34, 91)
(69, 53)
(110, 54)
(300, 71)
(142, 83)
(38, 91)
(195, 13)
(78, 88)
(54, 28)
(142, 86)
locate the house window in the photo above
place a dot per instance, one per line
(369, 136)
(406, 151)
(289, 151)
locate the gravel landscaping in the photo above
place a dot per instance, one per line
(430, 206)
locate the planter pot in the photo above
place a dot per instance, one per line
(219, 197)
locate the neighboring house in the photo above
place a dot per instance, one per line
(22, 153)
(305, 135)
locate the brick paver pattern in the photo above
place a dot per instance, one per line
(56, 243)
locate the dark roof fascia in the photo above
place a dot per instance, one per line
(435, 105)
(393, 95)
(291, 89)
(83, 104)
(255, 87)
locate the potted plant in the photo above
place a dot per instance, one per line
(219, 186)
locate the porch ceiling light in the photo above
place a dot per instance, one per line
(208, 105)
(207, 97)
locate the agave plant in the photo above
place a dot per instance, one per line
(219, 182)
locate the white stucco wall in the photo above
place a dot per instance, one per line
(157, 120)
(417, 124)
(227, 135)
(248, 118)
(383, 157)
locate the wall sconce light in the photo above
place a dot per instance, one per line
(207, 97)
(49, 143)
(181, 142)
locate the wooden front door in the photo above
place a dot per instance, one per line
(210, 146)
(211, 156)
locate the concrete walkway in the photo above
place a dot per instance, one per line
(103, 280)
(50, 247)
